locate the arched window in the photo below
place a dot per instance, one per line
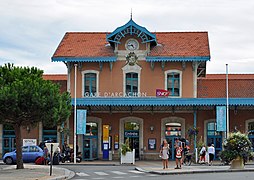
(173, 129)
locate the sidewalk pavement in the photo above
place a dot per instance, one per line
(34, 172)
(41, 172)
(155, 167)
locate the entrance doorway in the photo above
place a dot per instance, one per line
(90, 148)
(90, 142)
(9, 141)
(251, 133)
(214, 137)
(131, 131)
(172, 131)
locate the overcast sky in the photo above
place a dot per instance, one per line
(31, 30)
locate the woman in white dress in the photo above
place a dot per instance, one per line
(164, 149)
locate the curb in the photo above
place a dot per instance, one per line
(81, 164)
(193, 171)
(67, 174)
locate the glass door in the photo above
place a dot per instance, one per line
(214, 137)
(90, 142)
(131, 132)
(90, 148)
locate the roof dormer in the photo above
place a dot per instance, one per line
(131, 28)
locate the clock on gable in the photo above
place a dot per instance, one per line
(132, 44)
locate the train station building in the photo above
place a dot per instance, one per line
(146, 86)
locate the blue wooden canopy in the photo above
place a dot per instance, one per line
(177, 58)
(156, 101)
(84, 59)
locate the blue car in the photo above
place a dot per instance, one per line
(29, 154)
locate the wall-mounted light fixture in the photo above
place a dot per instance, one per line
(28, 129)
(152, 129)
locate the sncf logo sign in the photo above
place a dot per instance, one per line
(162, 93)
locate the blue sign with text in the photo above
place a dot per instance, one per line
(221, 118)
(81, 121)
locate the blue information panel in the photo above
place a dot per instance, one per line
(81, 121)
(106, 151)
(221, 118)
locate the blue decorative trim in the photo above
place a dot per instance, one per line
(177, 58)
(120, 32)
(154, 101)
(84, 59)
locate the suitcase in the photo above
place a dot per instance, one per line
(40, 161)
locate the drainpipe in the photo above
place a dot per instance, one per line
(195, 125)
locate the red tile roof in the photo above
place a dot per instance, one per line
(84, 44)
(181, 44)
(94, 44)
(55, 77)
(60, 79)
(214, 86)
(230, 76)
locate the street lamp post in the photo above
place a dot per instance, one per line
(227, 134)
(75, 113)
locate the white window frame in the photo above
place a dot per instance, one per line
(83, 78)
(131, 69)
(180, 83)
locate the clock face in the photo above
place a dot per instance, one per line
(131, 45)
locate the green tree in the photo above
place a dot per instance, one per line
(26, 99)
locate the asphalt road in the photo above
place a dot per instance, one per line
(128, 172)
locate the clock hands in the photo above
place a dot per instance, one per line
(131, 45)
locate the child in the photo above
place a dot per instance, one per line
(178, 157)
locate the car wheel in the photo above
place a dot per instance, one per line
(8, 160)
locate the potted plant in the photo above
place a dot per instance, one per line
(192, 132)
(127, 155)
(237, 147)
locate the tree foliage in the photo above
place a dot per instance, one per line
(26, 99)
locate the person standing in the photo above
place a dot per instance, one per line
(164, 153)
(46, 155)
(202, 154)
(178, 154)
(211, 153)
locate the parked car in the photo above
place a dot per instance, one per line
(29, 154)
